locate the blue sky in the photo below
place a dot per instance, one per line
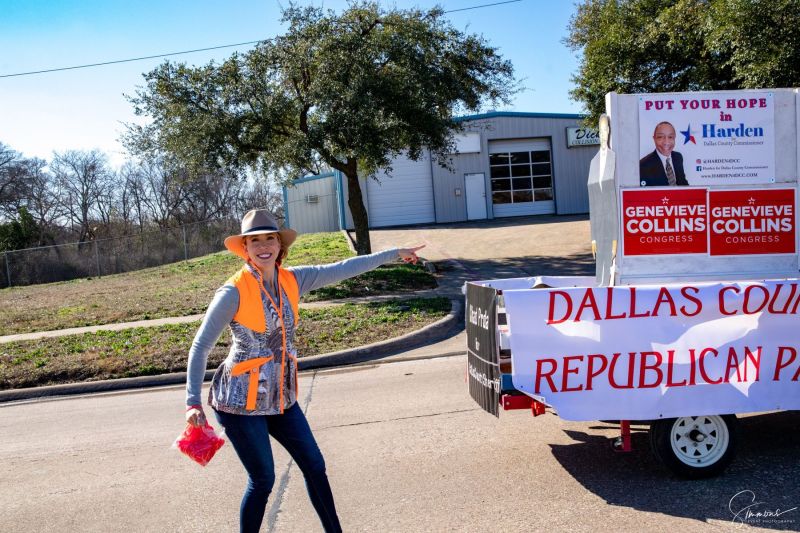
(85, 109)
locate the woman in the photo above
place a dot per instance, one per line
(254, 391)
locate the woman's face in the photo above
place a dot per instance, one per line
(263, 249)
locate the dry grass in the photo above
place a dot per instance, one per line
(158, 350)
(178, 289)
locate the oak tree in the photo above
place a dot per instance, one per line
(347, 91)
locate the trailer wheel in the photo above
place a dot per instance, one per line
(695, 447)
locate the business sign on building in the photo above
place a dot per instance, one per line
(664, 221)
(582, 137)
(719, 138)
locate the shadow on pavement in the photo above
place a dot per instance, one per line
(523, 266)
(766, 464)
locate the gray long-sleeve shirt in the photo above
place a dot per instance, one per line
(225, 303)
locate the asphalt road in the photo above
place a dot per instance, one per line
(406, 448)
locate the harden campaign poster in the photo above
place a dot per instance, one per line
(647, 352)
(719, 138)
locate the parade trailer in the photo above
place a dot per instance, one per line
(692, 315)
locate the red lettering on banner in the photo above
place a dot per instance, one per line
(551, 313)
(588, 302)
(609, 304)
(752, 221)
(652, 369)
(546, 375)
(693, 367)
(696, 301)
(755, 359)
(567, 371)
(592, 372)
(670, 368)
(733, 364)
(763, 301)
(702, 364)
(772, 306)
(611, 377)
(780, 365)
(655, 367)
(634, 314)
(664, 296)
(722, 308)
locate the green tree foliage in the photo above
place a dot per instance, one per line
(347, 91)
(636, 46)
(21, 232)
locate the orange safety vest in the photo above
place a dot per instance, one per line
(251, 315)
(251, 311)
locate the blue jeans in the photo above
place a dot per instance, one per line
(249, 436)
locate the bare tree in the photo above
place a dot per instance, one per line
(132, 196)
(263, 193)
(13, 182)
(83, 179)
(212, 194)
(41, 199)
(165, 189)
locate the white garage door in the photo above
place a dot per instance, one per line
(404, 198)
(521, 172)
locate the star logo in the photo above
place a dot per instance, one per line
(687, 135)
(665, 200)
(751, 200)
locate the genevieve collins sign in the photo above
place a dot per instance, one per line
(681, 220)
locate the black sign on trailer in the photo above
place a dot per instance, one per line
(483, 367)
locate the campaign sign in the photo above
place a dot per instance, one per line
(711, 138)
(664, 221)
(658, 351)
(748, 222)
(483, 367)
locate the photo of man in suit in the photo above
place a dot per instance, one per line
(663, 166)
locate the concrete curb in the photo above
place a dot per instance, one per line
(439, 330)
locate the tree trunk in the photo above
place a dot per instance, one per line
(356, 203)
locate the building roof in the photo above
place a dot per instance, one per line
(497, 114)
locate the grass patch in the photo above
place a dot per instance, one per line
(177, 289)
(158, 350)
(386, 279)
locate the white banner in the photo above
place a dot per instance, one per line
(719, 138)
(648, 352)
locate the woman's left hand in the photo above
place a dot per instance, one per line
(409, 255)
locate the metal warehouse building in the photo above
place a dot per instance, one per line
(507, 164)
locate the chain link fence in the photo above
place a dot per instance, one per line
(111, 256)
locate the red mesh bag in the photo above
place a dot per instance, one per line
(199, 443)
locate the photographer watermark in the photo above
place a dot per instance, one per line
(746, 509)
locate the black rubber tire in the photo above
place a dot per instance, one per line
(661, 432)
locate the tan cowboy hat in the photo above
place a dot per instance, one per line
(257, 222)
